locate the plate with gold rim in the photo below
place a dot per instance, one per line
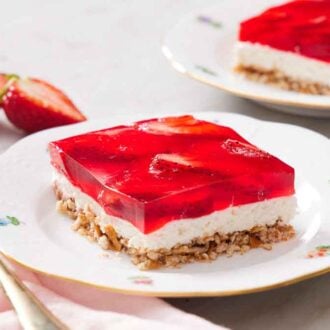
(201, 47)
(36, 236)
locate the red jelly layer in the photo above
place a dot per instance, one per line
(301, 27)
(160, 170)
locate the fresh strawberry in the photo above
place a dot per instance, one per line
(33, 105)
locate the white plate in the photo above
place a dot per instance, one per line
(44, 241)
(201, 47)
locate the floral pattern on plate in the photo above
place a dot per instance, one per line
(210, 21)
(205, 69)
(7, 220)
(319, 251)
(141, 280)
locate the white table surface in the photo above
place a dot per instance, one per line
(106, 55)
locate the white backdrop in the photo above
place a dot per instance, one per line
(106, 55)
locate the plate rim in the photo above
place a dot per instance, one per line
(176, 294)
(181, 68)
(159, 293)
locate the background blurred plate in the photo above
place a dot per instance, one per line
(201, 47)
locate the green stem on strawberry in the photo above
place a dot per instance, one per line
(10, 79)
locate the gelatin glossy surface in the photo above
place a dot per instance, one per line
(161, 170)
(301, 27)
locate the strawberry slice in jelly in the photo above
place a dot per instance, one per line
(159, 170)
(186, 125)
(301, 26)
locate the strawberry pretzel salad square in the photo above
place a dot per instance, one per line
(288, 46)
(173, 190)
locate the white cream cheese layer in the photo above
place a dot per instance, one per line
(292, 65)
(183, 231)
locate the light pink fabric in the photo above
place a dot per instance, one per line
(82, 307)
